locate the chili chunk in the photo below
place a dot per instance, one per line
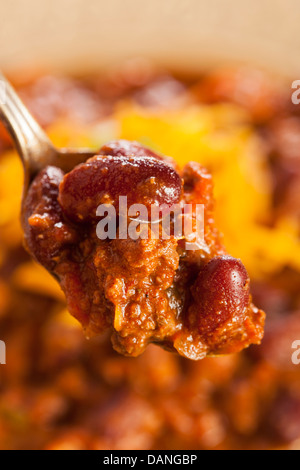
(144, 289)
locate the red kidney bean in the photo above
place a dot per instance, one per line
(127, 148)
(221, 291)
(102, 179)
(46, 235)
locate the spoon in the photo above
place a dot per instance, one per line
(33, 145)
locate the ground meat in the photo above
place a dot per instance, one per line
(143, 288)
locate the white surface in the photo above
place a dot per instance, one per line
(80, 34)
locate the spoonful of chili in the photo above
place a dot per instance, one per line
(158, 289)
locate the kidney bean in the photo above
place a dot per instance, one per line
(46, 233)
(102, 179)
(127, 148)
(221, 291)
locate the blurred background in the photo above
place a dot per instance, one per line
(185, 34)
(91, 71)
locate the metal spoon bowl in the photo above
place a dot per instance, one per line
(33, 146)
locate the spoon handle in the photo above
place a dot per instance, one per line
(31, 142)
